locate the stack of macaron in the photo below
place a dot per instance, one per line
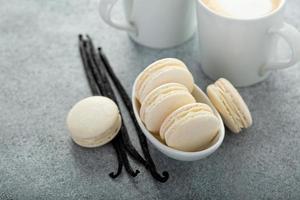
(169, 110)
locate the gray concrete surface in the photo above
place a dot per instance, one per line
(41, 77)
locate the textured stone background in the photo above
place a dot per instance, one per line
(41, 77)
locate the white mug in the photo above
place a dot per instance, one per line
(154, 23)
(242, 50)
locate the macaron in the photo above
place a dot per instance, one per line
(94, 121)
(230, 105)
(168, 70)
(161, 102)
(190, 128)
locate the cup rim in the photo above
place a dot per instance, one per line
(282, 3)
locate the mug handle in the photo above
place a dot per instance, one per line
(105, 10)
(292, 36)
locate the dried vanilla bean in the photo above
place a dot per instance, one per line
(98, 71)
(97, 91)
(128, 104)
(109, 91)
(103, 83)
(94, 88)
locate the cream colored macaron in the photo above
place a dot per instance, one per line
(168, 70)
(94, 121)
(230, 104)
(190, 128)
(161, 102)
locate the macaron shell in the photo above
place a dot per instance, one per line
(158, 94)
(101, 139)
(93, 121)
(219, 102)
(167, 75)
(154, 68)
(154, 116)
(238, 101)
(193, 134)
(180, 113)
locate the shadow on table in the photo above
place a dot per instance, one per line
(93, 161)
(99, 162)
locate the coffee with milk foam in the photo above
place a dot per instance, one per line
(242, 9)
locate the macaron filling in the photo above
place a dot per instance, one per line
(220, 103)
(231, 105)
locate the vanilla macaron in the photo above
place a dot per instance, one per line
(230, 105)
(190, 128)
(94, 121)
(161, 102)
(168, 70)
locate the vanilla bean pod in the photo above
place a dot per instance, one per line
(127, 143)
(126, 161)
(128, 104)
(102, 82)
(116, 145)
(93, 86)
(97, 91)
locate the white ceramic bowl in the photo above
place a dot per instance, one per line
(200, 96)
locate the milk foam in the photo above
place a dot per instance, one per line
(245, 9)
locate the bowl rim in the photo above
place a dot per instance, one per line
(171, 150)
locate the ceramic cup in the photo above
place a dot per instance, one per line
(154, 23)
(242, 50)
